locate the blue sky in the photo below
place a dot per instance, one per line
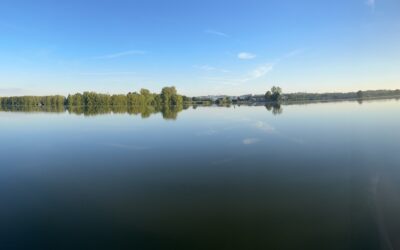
(201, 47)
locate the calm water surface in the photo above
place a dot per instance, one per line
(317, 176)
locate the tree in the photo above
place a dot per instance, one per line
(223, 101)
(268, 95)
(118, 100)
(169, 96)
(186, 99)
(147, 97)
(276, 93)
(134, 99)
(360, 94)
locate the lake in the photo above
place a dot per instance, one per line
(314, 176)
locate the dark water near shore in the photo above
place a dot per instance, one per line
(317, 176)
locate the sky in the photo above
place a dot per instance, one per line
(200, 46)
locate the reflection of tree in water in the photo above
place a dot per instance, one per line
(145, 111)
(90, 110)
(171, 112)
(168, 112)
(32, 109)
(275, 108)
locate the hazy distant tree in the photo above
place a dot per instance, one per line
(223, 101)
(186, 99)
(276, 93)
(360, 94)
(268, 96)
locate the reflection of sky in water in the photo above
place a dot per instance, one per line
(324, 176)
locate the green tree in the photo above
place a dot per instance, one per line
(276, 93)
(119, 100)
(169, 96)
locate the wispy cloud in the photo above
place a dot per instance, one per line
(246, 56)
(216, 32)
(121, 54)
(210, 68)
(250, 141)
(260, 71)
(293, 53)
(254, 74)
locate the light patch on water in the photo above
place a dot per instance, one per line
(250, 141)
(207, 132)
(264, 127)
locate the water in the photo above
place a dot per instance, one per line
(316, 176)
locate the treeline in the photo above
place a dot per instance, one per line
(54, 101)
(370, 94)
(168, 96)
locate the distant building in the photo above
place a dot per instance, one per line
(245, 97)
(258, 98)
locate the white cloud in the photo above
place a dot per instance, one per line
(250, 141)
(121, 54)
(217, 33)
(246, 56)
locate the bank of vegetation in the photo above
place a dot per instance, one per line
(169, 97)
(359, 95)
